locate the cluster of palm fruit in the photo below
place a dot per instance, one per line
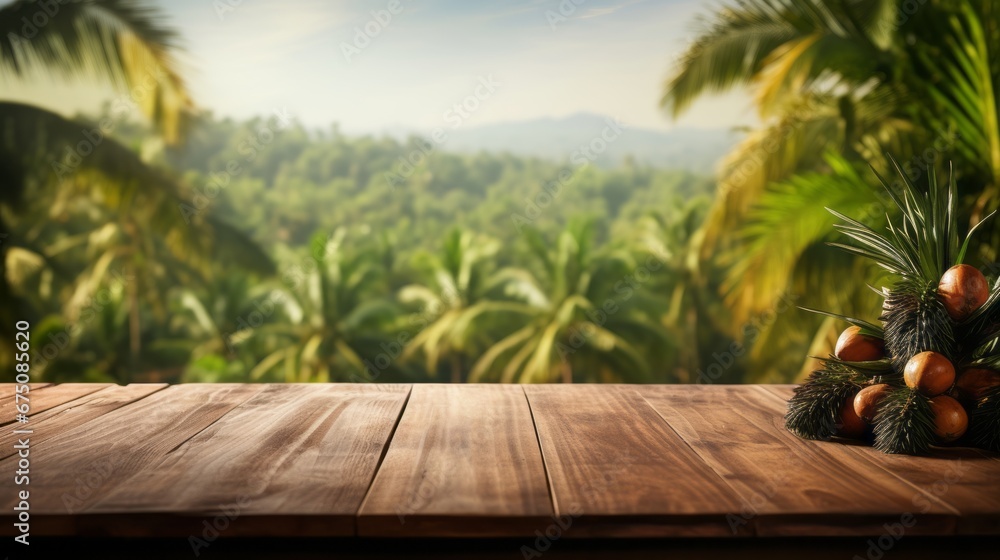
(930, 374)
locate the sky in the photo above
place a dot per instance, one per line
(314, 58)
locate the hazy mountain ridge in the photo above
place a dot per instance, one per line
(691, 149)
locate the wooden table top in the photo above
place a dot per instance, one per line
(342, 460)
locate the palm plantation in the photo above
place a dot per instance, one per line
(308, 266)
(586, 316)
(332, 321)
(459, 303)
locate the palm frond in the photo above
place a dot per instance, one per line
(788, 220)
(38, 147)
(814, 410)
(120, 41)
(728, 52)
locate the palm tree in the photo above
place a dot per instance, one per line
(581, 321)
(836, 86)
(694, 317)
(122, 43)
(333, 321)
(461, 306)
(98, 350)
(134, 216)
(216, 323)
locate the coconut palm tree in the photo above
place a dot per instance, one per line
(134, 217)
(333, 321)
(581, 319)
(457, 278)
(462, 306)
(216, 322)
(93, 350)
(694, 316)
(836, 85)
(122, 43)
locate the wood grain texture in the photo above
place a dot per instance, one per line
(71, 471)
(294, 460)
(464, 461)
(7, 392)
(788, 486)
(963, 478)
(470, 460)
(50, 397)
(617, 469)
(66, 416)
(7, 389)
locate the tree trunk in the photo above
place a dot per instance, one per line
(693, 327)
(134, 328)
(10, 311)
(567, 372)
(456, 369)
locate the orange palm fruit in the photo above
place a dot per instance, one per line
(950, 419)
(973, 383)
(930, 373)
(867, 400)
(851, 425)
(852, 346)
(963, 289)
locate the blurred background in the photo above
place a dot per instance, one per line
(445, 191)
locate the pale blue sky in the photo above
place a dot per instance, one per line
(608, 56)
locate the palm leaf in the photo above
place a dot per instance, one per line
(120, 41)
(33, 142)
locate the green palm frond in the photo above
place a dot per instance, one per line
(782, 46)
(729, 52)
(120, 41)
(773, 153)
(788, 220)
(924, 244)
(968, 87)
(34, 144)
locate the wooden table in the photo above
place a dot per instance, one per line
(367, 461)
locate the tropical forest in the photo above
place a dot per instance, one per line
(154, 236)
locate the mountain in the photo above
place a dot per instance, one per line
(563, 140)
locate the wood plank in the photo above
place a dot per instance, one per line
(464, 461)
(467, 460)
(789, 486)
(617, 469)
(295, 460)
(51, 397)
(7, 389)
(66, 416)
(962, 477)
(7, 392)
(71, 471)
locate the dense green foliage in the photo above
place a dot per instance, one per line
(291, 183)
(206, 249)
(489, 267)
(837, 85)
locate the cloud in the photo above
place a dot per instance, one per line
(603, 11)
(282, 28)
